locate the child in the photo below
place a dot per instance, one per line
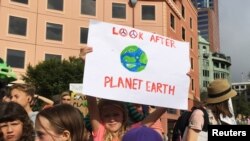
(15, 123)
(62, 122)
(109, 119)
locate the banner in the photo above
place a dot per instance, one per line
(136, 66)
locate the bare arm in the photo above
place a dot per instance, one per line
(44, 99)
(84, 51)
(192, 134)
(93, 112)
(152, 117)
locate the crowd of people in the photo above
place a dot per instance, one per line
(110, 120)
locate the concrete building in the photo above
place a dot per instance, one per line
(35, 30)
(212, 66)
(242, 89)
(208, 22)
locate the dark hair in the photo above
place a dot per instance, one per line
(4, 91)
(64, 117)
(11, 111)
(220, 108)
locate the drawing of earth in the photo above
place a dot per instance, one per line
(133, 58)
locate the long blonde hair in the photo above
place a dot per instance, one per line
(120, 105)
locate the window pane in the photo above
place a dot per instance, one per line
(15, 58)
(88, 7)
(84, 35)
(183, 33)
(21, 1)
(17, 25)
(183, 11)
(52, 56)
(148, 12)
(54, 32)
(172, 20)
(55, 5)
(118, 10)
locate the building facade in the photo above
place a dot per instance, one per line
(35, 30)
(242, 89)
(208, 22)
(212, 66)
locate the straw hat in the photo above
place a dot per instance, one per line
(219, 90)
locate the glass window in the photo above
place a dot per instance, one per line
(183, 11)
(119, 10)
(15, 58)
(88, 7)
(54, 31)
(148, 12)
(191, 42)
(191, 23)
(17, 26)
(192, 84)
(52, 56)
(172, 21)
(183, 34)
(21, 1)
(55, 5)
(84, 35)
(192, 63)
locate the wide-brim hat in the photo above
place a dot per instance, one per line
(219, 90)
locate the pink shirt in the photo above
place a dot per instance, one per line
(99, 134)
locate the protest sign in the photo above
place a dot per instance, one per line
(132, 65)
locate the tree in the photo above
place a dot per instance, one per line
(53, 76)
(240, 104)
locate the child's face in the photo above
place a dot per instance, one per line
(12, 130)
(20, 97)
(112, 118)
(45, 132)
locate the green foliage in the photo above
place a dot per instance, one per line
(53, 76)
(241, 106)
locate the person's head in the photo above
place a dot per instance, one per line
(114, 116)
(142, 133)
(61, 122)
(219, 93)
(4, 94)
(22, 94)
(15, 124)
(65, 97)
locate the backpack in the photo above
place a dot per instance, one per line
(183, 121)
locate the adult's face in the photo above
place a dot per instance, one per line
(20, 97)
(12, 131)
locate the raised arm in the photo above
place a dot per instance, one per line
(152, 117)
(93, 113)
(84, 51)
(44, 99)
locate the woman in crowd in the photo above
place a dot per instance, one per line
(15, 124)
(217, 107)
(62, 122)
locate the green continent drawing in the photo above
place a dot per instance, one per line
(133, 58)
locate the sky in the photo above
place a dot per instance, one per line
(234, 24)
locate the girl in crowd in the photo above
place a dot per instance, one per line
(109, 119)
(61, 122)
(15, 124)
